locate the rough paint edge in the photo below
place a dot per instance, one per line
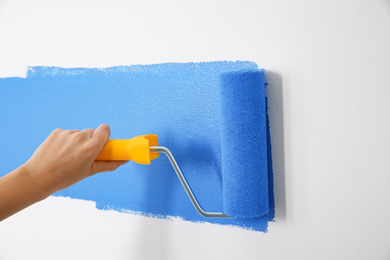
(51, 71)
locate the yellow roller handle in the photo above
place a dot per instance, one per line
(135, 149)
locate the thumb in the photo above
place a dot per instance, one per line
(100, 136)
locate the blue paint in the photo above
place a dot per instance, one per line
(180, 103)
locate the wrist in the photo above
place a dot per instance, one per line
(35, 184)
(18, 190)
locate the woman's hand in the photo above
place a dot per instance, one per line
(68, 156)
(63, 159)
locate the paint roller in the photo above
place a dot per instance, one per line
(243, 148)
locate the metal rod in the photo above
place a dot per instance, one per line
(161, 149)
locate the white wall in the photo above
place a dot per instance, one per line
(328, 67)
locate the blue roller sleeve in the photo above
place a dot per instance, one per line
(244, 144)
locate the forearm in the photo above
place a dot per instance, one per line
(18, 190)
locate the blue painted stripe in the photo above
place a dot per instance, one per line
(180, 102)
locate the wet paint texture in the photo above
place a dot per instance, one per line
(184, 104)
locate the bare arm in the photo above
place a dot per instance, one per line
(63, 159)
